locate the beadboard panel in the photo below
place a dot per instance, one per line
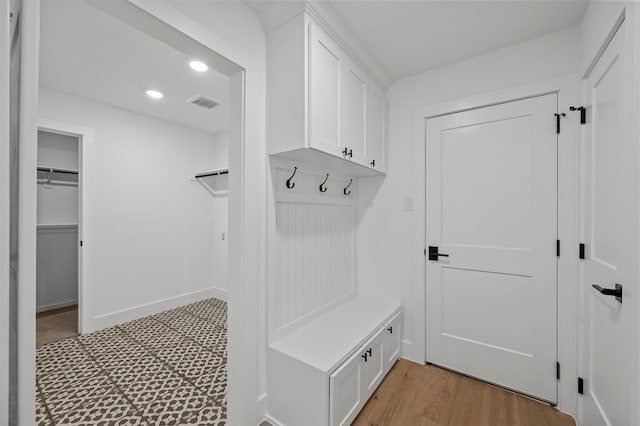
(314, 247)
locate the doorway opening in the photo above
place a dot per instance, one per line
(152, 232)
(59, 217)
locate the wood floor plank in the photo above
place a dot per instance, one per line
(426, 395)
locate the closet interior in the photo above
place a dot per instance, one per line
(57, 237)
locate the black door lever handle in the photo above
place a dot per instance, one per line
(433, 253)
(616, 292)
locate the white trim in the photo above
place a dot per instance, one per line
(86, 143)
(140, 311)
(567, 88)
(5, 198)
(58, 305)
(634, 30)
(220, 293)
(28, 154)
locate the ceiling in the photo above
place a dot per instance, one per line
(87, 53)
(409, 37)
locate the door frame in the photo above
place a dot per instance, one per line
(566, 87)
(86, 137)
(246, 196)
(6, 36)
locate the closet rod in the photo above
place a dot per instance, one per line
(50, 169)
(207, 174)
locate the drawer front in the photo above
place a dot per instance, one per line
(392, 340)
(345, 391)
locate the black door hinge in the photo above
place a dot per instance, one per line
(425, 251)
(583, 113)
(580, 385)
(558, 117)
(558, 248)
(558, 370)
(581, 251)
(81, 243)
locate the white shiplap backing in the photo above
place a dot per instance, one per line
(314, 245)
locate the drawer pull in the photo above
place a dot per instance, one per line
(369, 350)
(390, 329)
(364, 355)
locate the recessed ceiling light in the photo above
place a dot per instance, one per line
(198, 66)
(154, 94)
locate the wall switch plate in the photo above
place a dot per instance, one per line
(407, 203)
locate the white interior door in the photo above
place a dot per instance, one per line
(492, 208)
(607, 193)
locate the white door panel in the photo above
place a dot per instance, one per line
(606, 228)
(492, 207)
(325, 64)
(346, 391)
(353, 109)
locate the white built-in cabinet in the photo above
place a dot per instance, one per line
(324, 372)
(324, 107)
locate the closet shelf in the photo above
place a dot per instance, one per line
(57, 170)
(211, 185)
(56, 225)
(209, 173)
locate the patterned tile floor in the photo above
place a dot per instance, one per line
(165, 369)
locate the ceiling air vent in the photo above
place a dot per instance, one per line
(203, 101)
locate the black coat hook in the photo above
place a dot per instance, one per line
(289, 184)
(345, 190)
(322, 188)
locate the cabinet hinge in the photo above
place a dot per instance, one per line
(580, 385)
(81, 243)
(581, 251)
(558, 248)
(558, 370)
(558, 117)
(583, 113)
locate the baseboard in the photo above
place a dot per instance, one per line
(262, 410)
(58, 305)
(409, 352)
(220, 293)
(268, 420)
(115, 318)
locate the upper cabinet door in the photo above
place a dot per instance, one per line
(353, 106)
(325, 63)
(376, 116)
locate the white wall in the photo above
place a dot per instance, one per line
(394, 269)
(57, 204)
(220, 218)
(148, 228)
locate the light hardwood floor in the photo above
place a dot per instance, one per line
(56, 325)
(414, 394)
